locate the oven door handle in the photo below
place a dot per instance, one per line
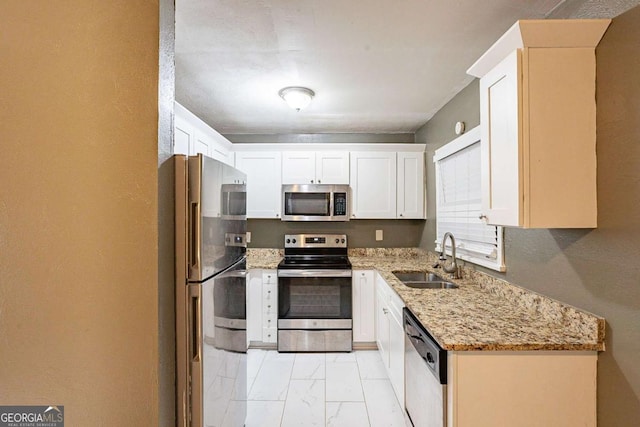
(314, 273)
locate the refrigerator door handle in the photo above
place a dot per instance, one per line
(194, 232)
(196, 371)
(196, 326)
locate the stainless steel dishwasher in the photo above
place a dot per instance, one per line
(425, 375)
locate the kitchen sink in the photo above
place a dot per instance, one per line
(423, 280)
(417, 276)
(431, 285)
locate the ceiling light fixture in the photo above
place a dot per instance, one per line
(296, 97)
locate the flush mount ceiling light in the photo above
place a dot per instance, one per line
(296, 97)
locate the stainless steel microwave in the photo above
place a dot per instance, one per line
(315, 202)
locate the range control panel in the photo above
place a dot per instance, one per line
(315, 241)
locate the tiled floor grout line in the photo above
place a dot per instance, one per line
(364, 396)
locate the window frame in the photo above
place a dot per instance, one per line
(465, 140)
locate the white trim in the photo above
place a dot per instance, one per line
(495, 260)
(460, 143)
(331, 146)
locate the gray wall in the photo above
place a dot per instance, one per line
(269, 233)
(597, 270)
(464, 107)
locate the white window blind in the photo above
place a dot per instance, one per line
(458, 204)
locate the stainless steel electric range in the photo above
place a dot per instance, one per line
(314, 294)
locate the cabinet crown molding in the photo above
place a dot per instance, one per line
(541, 33)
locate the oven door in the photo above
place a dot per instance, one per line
(314, 310)
(313, 299)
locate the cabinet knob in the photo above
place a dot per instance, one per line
(312, 181)
(319, 182)
(277, 215)
(482, 216)
(353, 215)
(385, 311)
(401, 215)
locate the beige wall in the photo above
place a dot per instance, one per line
(79, 209)
(597, 270)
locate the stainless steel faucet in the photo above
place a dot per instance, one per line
(453, 266)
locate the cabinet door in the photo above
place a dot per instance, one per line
(364, 291)
(298, 167)
(183, 136)
(411, 189)
(202, 144)
(382, 327)
(396, 356)
(254, 306)
(500, 110)
(373, 183)
(332, 167)
(263, 182)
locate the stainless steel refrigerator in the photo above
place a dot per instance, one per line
(211, 335)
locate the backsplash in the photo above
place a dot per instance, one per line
(361, 233)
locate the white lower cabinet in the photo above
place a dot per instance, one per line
(269, 306)
(364, 316)
(390, 335)
(262, 306)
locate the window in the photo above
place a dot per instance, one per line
(459, 204)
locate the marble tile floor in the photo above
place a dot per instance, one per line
(320, 389)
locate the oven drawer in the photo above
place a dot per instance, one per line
(314, 340)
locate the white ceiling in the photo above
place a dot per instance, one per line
(376, 66)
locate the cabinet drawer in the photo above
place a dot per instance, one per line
(270, 320)
(269, 277)
(269, 308)
(269, 334)
(269, 292)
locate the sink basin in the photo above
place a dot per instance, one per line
(431, 285)
(417, 276)
(423, 280)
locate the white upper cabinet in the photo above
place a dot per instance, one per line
(321, 167)
(373, 184)
(193, 136)
(538, 124)
(332, 167)
(411, 185)
(387, 185)
(264, 182)
(183, 136)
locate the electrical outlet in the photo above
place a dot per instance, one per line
(379, 235)
(248, 237)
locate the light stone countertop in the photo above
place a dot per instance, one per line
(484, 313)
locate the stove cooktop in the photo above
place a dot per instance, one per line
(315, 251)
(315, 262)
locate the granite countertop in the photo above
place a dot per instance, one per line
(484, 313)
